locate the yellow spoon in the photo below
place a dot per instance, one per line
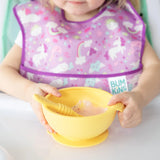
(57, 107)
(118, 107)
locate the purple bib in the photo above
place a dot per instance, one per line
(102, 52)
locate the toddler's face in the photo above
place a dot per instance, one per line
(78, 7)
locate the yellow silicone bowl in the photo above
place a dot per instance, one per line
(80, 128)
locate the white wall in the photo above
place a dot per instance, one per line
(3, 5)
(154, 23)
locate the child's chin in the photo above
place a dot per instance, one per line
(76, 11)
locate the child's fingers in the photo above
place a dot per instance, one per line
(134, 121)
(39, 113)
(132, 114)
(44, 121)
(124, 123)
(118, 98)
(127, 113)
(129, 118)
(49, 89)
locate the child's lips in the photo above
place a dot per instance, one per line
(76, 2)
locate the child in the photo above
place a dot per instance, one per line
(82, 43)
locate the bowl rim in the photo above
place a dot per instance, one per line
(74, 117)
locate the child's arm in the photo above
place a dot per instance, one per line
(148, 88)
(149, 82)
(14, 84)
(11, 81)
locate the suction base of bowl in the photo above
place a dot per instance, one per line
(82, 143)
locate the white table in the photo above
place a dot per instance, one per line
(25, 138)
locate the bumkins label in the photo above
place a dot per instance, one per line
(118, 84)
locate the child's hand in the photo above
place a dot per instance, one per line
(41, 89)
(132, 114)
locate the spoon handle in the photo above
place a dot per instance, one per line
(118, 107)
(56, 107)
